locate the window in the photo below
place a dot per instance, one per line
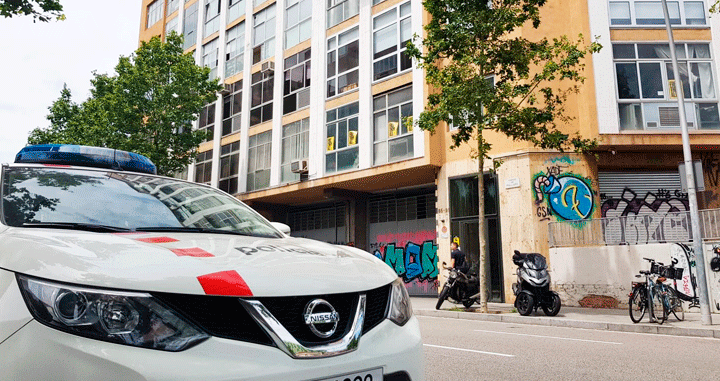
(393, 135)
(190, 25)
(340, 10)
(212, 17)
(646, 86)
(342, 138)
(298, 19)
(261, 107)
(207, 121)
(229, 167)
(297, 82)
(264, 34)
(235, 50)
(376, 2)
(259, 147)
(210, 57)
(342, 62)
(295, 146)
(638, 13)
(391, 32)
(154, 12)
(236, 8)
(172, 26)
(231, 109)
(173, 5)
(203, 167)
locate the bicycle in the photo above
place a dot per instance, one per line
(648, 295)
(673, 298)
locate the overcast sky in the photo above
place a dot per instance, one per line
(37, 58)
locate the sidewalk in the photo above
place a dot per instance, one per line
(575, 317)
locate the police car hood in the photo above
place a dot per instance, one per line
(192, 263)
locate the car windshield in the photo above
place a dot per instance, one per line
(74, 197)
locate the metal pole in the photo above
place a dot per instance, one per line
(690, 177)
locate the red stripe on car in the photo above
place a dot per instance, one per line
(156, 239)
(225, 283)
(191, 252)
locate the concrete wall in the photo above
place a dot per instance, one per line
(577, 272)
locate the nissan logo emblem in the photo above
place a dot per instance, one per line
(324, 322)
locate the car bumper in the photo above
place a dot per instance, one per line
(37, 352)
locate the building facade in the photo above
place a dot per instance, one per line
(311, 126)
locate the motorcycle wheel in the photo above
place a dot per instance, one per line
(525, 303)
(468, 303)
(554, 307)
(443, 295)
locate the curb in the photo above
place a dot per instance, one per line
(557, 322)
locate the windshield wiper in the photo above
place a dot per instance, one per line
(190, 229)
(76, 226)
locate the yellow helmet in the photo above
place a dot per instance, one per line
(456, 240)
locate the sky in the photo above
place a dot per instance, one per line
(36, 59)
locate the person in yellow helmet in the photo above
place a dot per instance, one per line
(457, 257)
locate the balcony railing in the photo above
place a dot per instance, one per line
(633, 230)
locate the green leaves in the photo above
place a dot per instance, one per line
(489, 77)
(40, 10)
(148, 107)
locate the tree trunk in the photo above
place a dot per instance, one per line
(482, 255)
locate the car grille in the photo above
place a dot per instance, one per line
(225, 317)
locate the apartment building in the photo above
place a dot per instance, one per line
(310, 127)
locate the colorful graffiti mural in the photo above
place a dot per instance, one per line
(412, 261)
(413, 256)
(645, 218)
(566, 196)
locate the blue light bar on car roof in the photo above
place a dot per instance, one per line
(68, 154)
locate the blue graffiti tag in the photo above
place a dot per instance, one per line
(569, 197)
(413, 261)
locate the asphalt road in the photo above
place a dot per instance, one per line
(457, 349)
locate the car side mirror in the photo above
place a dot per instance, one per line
(282, 227)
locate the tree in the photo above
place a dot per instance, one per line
(148, 107)
(43, 10)
(487, 77)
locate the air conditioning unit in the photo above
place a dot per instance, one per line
(299, 166)
(227, 89)
(267, 66)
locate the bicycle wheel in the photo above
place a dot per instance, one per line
(658, 310)
(637, 303)
(675, 304)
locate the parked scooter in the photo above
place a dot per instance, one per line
(459, 288)
(532, 289)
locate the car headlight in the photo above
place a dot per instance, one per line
(131, 318)
(400, 307)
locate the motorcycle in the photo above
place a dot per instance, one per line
(459, 288)
(532, 289)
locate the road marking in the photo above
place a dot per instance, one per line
(468, 350)
(549, 337)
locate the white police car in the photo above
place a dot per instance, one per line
(110, 272)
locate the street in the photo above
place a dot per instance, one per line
(457, 349)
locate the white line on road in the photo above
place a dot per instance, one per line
(549, 337)
(469, 350)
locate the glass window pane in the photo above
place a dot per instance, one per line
(342, 135)
(380, 126)
(405, 9)
(651, 13)
(619, 13)
(630, 116)
(405, 32)
(385, 41)
(330, 162)
(683, 69)
(347, 81)
(347, 159)
(348, 57)
(292, 37)
(350, 35)
(623, 51)
(708, 116)
(651, 80)
(380, 153)
(384, 19)
(385, 67)
(702, 80)
(698, 50)
(627, 81)
(331, 88)
(400, 96)
(694, 13)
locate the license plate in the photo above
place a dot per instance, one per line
(366, 375)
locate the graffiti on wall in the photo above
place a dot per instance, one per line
(645, 217)
(562, 194)
(413, 261)
(413, 256)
